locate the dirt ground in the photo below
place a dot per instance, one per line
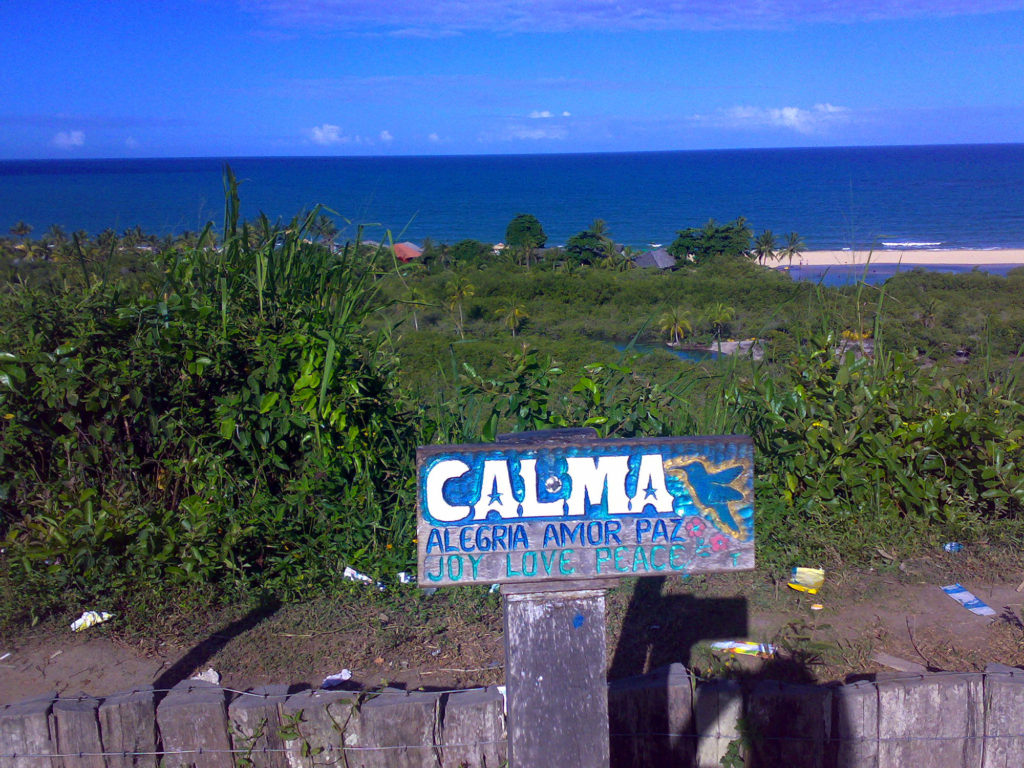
(451, 639)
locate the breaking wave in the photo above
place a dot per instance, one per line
(911, 245)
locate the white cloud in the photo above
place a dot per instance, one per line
(792, 117)
(386, 136)
(131, 143)
(439, 18)
(532, 133)
(69, 139)
(544, 114)
(328, 134)
(433, 138)
(797, 119)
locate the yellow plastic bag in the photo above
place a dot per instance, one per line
(807, 580)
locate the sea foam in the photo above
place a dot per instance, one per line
(911, 244)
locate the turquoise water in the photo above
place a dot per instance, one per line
(878, 273)
(689, 355)
(947, 196)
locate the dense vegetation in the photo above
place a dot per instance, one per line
(239, 410)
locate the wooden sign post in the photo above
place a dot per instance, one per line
(554, 515)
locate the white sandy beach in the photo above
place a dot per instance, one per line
(909, 257)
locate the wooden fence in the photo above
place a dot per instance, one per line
(665, 718)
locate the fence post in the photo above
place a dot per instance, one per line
(1004, 717)
(78, 732)
(193, 721)
(717, 706)
(933, 721)
(555, 672)
(854, 742)
(25, 728)
(650, 718)
(404, 727)
(473, 729)
(128, 725)
(789, 724)
(316, 725)
(255, 721)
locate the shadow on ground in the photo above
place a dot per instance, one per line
(192, 662)
(674, 723)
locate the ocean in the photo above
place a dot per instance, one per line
(964, 196)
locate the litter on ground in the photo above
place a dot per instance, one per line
(807, 580)
(211, 675)
(90, 619)
(968, 600)
(745, 648)
(351, 574)
(333, 681)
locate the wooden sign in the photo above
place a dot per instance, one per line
(578, 508)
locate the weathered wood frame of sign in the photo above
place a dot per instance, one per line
(571, 508)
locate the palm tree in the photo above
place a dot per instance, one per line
(676, 323)
(57, 234)
(793, 247)
(627, 259)
(618, 261)
(512, 314)
(416, 299)
(133, 238)
(22, 230)
(569, 267)
(107, 239)
(458, 290)
(764, 246)
(718, 316)
(599, 229)
(52, 243)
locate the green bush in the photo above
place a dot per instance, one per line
(237, 425)
(855, 449)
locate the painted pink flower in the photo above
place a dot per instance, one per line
(695, 526)
(719, 543)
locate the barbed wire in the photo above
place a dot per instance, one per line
(824, 739)
(404, 692)
(369, 693)
(264, 750)
(331, 748)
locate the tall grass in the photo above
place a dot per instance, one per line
(234, 425)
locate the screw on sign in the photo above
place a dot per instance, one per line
(555, 515)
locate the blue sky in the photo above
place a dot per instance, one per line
(109, 78)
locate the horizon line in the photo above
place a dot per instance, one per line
(505, 154)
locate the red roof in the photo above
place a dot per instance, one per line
(406, 252)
